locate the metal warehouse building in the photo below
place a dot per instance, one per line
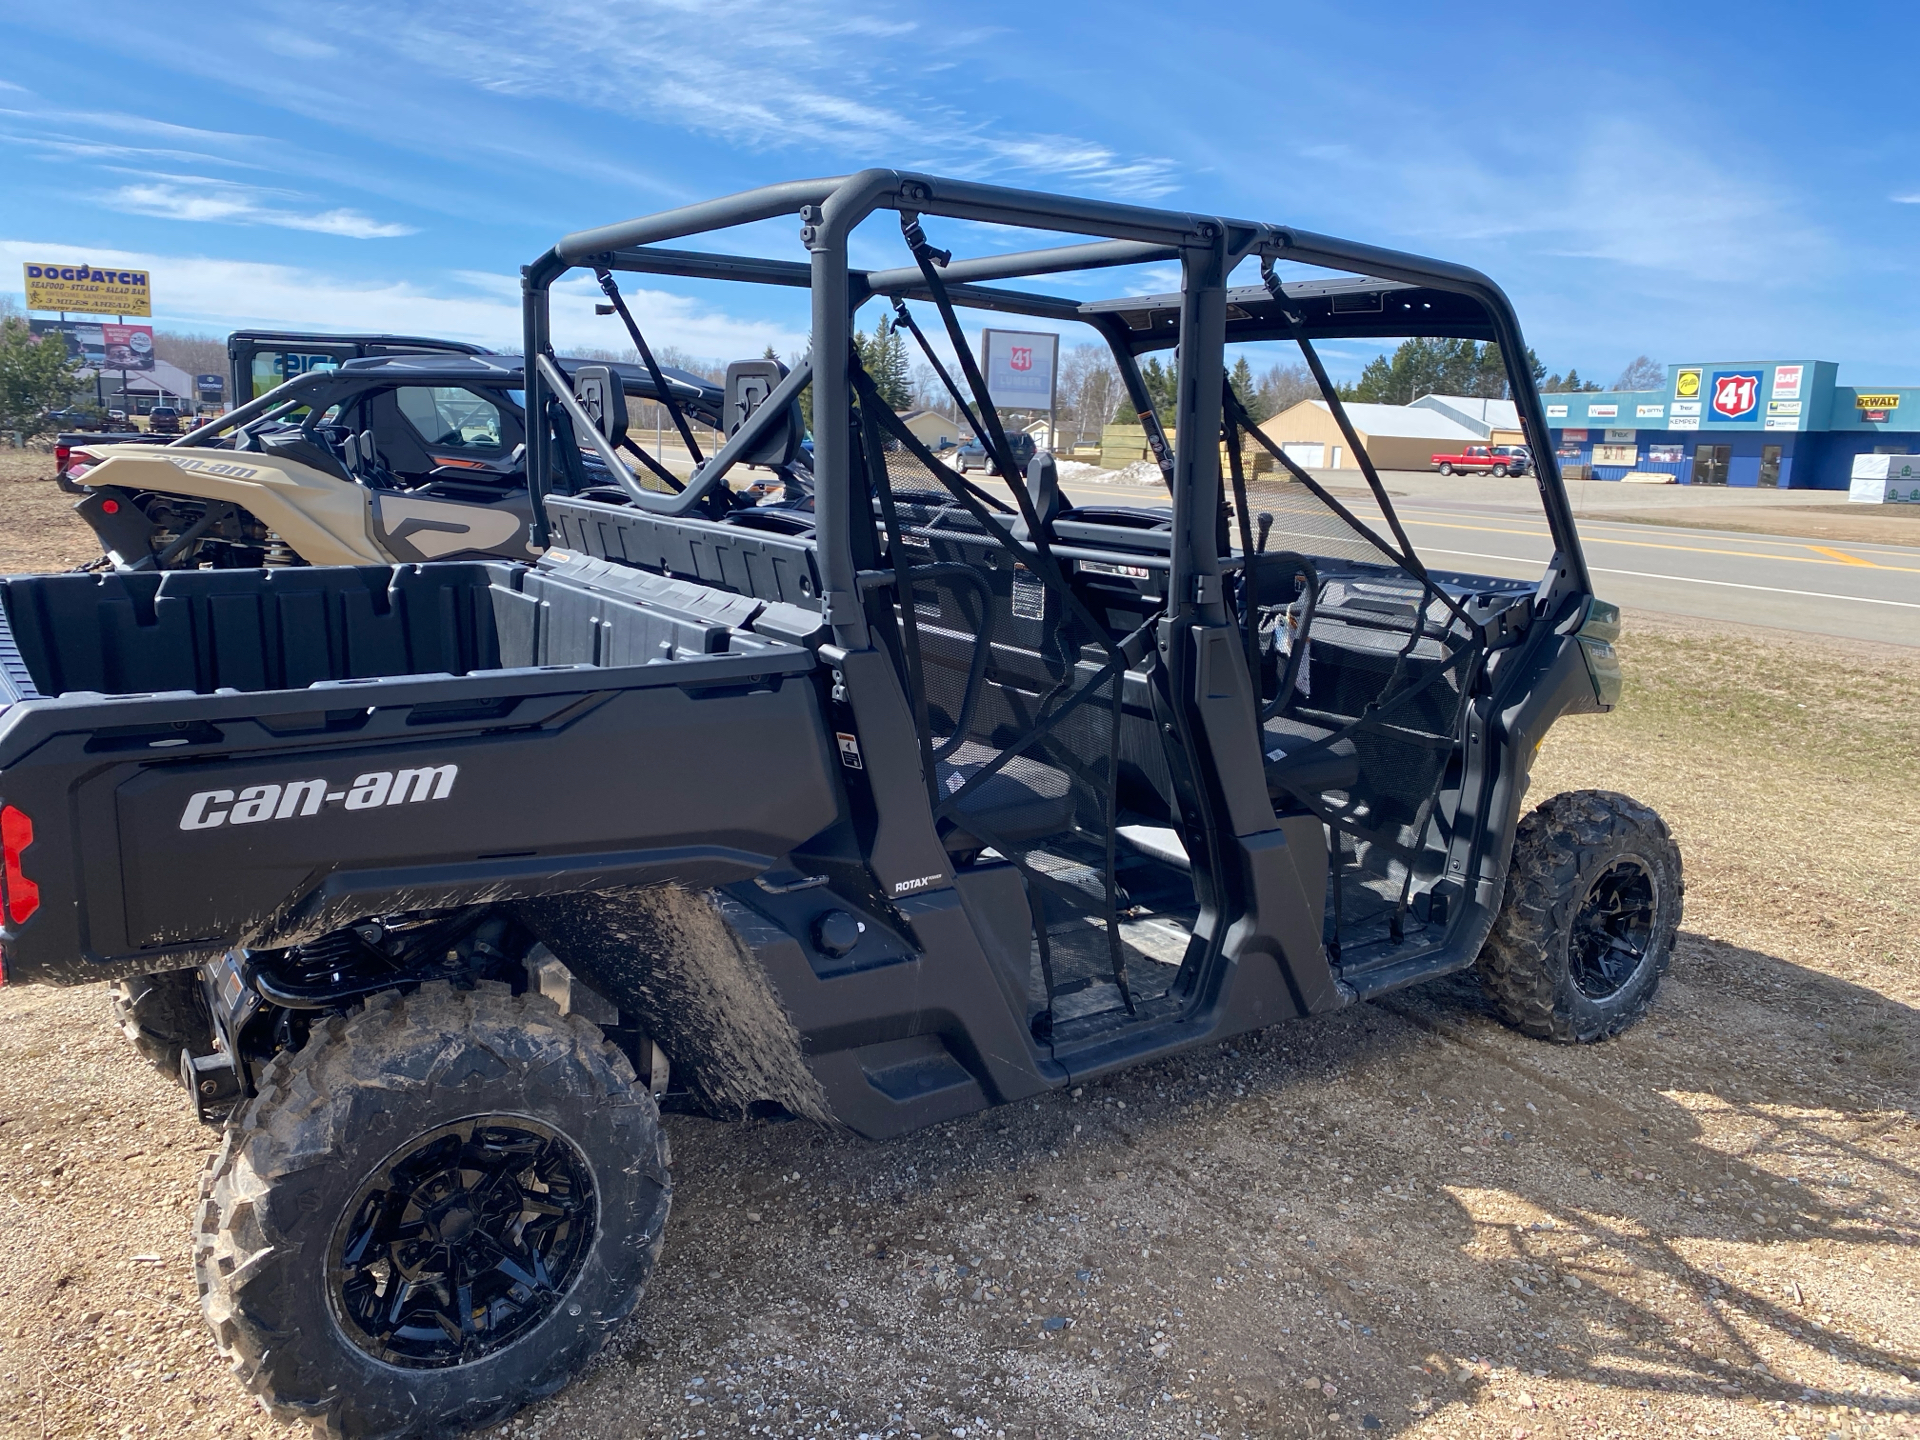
(1781, 424)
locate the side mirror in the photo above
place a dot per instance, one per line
(599, 392)
(749, 383)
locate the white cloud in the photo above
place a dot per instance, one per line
(203, 292)
(202, 198)
(823, 74)
(1584, 197)
(1905, 199)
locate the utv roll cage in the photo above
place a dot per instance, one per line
(1129, 718)
(1396, 294)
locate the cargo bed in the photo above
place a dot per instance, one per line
(195, 760)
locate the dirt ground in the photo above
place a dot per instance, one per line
(1403, 1218)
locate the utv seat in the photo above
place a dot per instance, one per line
(1293, 767)
(1024, 800)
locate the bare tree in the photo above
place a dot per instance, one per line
(930, 394)
(195, 354)
(1643, 374)
(1089, 388)
(1284, 386)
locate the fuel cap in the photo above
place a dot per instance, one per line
(836, 932)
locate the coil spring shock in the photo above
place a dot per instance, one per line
(278, 552)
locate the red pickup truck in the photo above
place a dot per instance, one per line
(1485, 459)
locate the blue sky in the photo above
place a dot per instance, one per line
(1691, 181)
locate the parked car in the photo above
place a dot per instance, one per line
(163, 420)
(75, 417)
(1519, 458)
(1480, 460)
(973, 454)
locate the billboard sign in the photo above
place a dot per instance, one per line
(212, 389)
(129, 347)
(1686, 384)
(1736, 394)
(102, 347)
(85, 344)
(1786, 381)
(87, 289)
(1019, 368)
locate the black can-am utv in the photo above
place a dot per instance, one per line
(937, 793)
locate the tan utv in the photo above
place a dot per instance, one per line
(383, 460)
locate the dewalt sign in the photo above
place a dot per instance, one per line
(88, 290)
(1876, 402)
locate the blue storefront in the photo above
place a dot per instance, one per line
(1786, 424)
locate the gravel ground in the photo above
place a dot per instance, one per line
(1401, 1218)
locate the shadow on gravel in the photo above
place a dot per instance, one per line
(1335, 1226)
(1745, 1168)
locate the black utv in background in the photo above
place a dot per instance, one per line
(936, 793)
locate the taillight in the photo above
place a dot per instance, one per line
(16, 834)
(79, 462)
(60, 454)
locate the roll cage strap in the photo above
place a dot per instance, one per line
(661, 389)
(991, 431)
(660, 472)
(1365, 461)
(903, 316)
(1249, 562)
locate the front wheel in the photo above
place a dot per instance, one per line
(432, 1214)
(1593, 902)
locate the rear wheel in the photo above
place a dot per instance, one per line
(1445, 468)
(162, 1015)
(433, 1213)
(1586, 930)
(1500, 470)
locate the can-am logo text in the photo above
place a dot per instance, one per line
(208, 809)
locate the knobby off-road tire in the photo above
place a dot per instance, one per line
(474, 1135)
(161, 1015)
(1586, 930)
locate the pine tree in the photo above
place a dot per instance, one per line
(1244, 390)
(884, 357)
(35, 376)
(1163, 386)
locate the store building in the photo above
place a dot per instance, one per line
(1397, 437)
(1785, 424)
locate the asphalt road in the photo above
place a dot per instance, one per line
(1862, 592)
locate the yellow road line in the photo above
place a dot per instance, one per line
(1834, 557)
(1842, 555)
(1656, 545)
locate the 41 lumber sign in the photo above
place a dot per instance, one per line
(88, 290)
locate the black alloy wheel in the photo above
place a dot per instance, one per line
(1587, 926)
(462, 1241)
(433, 1212)
(1612, 929)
